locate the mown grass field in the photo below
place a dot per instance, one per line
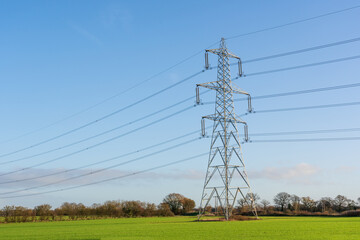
(273, 228)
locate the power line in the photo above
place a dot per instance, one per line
(259, 111)
(104, 169)
(251, 74)
(184, 60)
(303, 91)
(173, 66)
(172, 163)
(302, 66)
(173, 85)
(98, 144)
(187, 99)
(166, 117)
(110, 179)
(307, 132)
(294, 22)
(301, 50)
(136, 85)
(306, 140)
(106, 160)
(308, 107)
(109, 98)
(100, 134)
(299, 66)
(106, 116)
(177, 138)
(313, 90)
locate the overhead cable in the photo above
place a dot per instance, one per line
(294, 22)
(110, 179)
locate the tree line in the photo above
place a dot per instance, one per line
(291, 204)
(176, 204)
(173, 204)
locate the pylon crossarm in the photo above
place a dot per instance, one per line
(238, 90)
(228, 119)
(209, 85)
(214, 51)
(232, 55)
(215, 86)
(220, 51)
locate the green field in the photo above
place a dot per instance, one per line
(273, 228)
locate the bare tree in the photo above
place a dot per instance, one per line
(242, 204)
(325, 203)
(351, 204)
(282, 199)
(264, 204)
(295, 202)
(340, 202)
(308, 203)
(252, 197)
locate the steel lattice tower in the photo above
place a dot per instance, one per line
(226, 179)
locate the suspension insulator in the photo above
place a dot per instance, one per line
(249, 104)
(246, 133)
(203, 127)
(206, 60)
(197, 95)
(240, 68)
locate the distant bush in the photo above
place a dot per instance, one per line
(351, 213)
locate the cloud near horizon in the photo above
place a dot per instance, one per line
(295, 173)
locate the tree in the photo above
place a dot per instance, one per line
(325, 203)
(175, 202)
(340, 202)
(150, 210)
(110, 208)
(44, 211)
(351, 204)
(264, 204)
(133, 208)
(188, 205)
(245, 204)
(164, 210)
(282, 199)
(242, 205)
(295, 202)
(252, 197)
(308, 203)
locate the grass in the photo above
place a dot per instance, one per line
(269, 228)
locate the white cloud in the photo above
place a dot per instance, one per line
(298, 172)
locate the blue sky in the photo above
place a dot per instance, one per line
(58, 58)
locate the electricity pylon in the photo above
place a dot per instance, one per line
(226, 179)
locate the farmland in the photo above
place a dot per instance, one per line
(329, 228)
